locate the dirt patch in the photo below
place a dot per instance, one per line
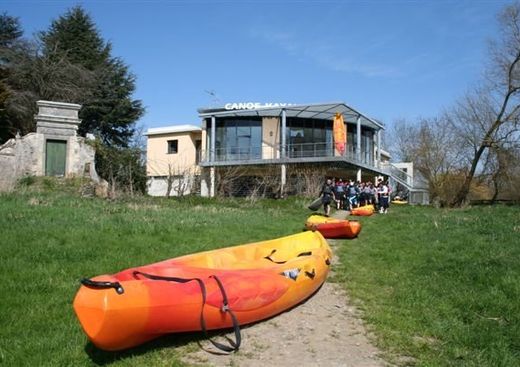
(324, 331)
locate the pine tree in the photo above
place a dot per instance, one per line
(10, 32)
(109, 112)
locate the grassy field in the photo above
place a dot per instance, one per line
(442, 287)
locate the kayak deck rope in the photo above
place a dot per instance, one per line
(235, 345)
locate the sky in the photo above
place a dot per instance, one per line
(388, 59)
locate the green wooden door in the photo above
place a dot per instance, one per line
(55, 155)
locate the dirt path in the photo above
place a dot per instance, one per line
(324, 331)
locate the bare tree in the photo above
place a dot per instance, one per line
(489, 116)
(227, 177)
(434, 151)
(306, 180)
(502, 172)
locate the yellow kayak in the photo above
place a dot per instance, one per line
(215, 289)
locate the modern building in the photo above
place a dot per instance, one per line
(276, 149)
(172, 158)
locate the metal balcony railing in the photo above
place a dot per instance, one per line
(275, 152)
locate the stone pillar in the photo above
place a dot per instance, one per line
(212, 182)
(57, 118)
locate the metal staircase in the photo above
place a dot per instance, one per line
(415, 189)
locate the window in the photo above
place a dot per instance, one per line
(198, 147)
(238, 138)
(173, 146)
(309, 137)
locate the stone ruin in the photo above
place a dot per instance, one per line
(54, 149)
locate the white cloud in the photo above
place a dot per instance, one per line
(328, 55)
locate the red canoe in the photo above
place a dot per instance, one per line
(333, 228)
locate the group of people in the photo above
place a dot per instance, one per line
(350, 194)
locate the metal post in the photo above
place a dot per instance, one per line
(212, 169)
(283, 179)
(284, 124)
(213, 137)
(358, 139)
(379, 148)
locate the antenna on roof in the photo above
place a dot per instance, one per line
(214, 98)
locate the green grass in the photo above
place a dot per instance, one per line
(441, 286)
(50, 241)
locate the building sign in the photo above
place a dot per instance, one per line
(254, 105)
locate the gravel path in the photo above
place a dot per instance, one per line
(324, 331)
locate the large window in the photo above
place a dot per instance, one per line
(237, 138)
(367, 146)
(367, 143)
(309, 137)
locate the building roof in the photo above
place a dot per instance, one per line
(325, 111)
(172, 129)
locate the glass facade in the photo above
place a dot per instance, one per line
(308, 138)
(237, 138)
(367, 143)
(241, 139)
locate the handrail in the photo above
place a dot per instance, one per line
(273, 152)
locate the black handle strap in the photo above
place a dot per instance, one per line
(268, 257)
(311, 274)
(225, 308)
(236, 326)
(102, 285)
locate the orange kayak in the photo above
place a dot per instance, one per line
(366, 210)
(333, 228)
(209, 290)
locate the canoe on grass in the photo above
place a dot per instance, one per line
(315, 205)
(399, 202)
(240, 285)
(365, 210)
(333, 228)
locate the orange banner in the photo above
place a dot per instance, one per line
(340, 133)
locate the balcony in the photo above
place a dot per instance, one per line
(294, 153)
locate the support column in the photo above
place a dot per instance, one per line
(283, 154)
(212, 182)
(283, 179)
(212, 157)
(379, 148)
(358, 139)
(284, 125)
(358, 175)
(213, 137)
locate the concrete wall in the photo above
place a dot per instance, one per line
(270, 138)
(160, 163)
(181, 185)
(25, 156)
